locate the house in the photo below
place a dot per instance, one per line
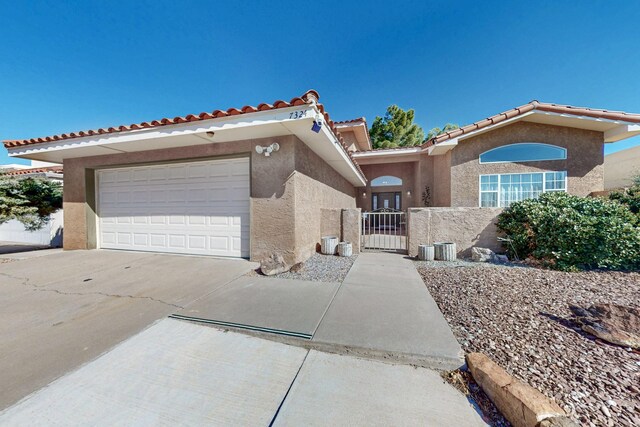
(520, 153)
(621, 167)
(51, 233)
(245, 182)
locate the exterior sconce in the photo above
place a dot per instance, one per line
(364, 195)
(408, 193)
(268, 149)
(317, 123)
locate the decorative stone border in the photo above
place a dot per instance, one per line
(520, 403)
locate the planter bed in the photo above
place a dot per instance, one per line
(320, 268)
(520, 318)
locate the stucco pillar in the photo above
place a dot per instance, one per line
(351, 228)
(79, 207)
(418, 233)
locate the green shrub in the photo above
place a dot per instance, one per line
(629, 197)
(571, 233)
(31, 200)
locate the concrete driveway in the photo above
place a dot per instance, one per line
(64, 309)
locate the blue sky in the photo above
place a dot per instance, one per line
(68, 66)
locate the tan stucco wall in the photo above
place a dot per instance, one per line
(345, 224)
(277, 216)
(584, 164)
(621, 167)
(466, 227)
(441, 189)
(350, 139)
(409, 172)
(317, 186)
(273, 201)
(330, 222)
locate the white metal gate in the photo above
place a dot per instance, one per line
(384, 230)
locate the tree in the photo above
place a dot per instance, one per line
(396, 129)
(437, 131)
(31, 200)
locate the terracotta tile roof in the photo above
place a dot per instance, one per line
(535, 105)
(346, 122)
(304, 99)
(15, 172)
(359, 120)
(310, 96)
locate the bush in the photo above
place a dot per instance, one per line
(571, 233)
(629, 197)
(31, 200)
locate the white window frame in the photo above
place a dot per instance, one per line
(522, 161)
(544, 185)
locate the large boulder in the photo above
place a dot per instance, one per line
(482, 254)
(613, 323)
(273, 264)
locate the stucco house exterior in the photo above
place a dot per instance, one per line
(245, 182)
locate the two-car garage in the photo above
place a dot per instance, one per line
(199, 207)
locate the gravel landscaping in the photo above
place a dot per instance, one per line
(320, 268)
(520, 318)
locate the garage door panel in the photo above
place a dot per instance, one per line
(199, 208)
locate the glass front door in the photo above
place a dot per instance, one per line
(390, 200)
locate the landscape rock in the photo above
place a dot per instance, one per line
(481, 254)
(502, 259)
(273, 264)
(613, 323)
(519, 316)
(520, 403)
(319, 268)
(557, 422)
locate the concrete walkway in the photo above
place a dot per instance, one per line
(182, 373)
(383, 305)
(282, 306)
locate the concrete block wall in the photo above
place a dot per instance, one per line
(466, 227)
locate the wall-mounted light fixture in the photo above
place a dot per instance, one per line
(268, 149)
(408, 193)
(364, 194)
(317, 123)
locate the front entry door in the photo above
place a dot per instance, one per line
(390, 200)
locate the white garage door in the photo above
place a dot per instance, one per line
(192, 208)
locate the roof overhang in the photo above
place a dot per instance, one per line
(614, 130)
(359, 128)
(443, 147)
(296, 120)
(393, 155)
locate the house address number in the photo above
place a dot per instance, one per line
(298, 114)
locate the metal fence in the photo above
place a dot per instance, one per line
(384, 230)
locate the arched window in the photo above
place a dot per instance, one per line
(386, 181)
(523, 152)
